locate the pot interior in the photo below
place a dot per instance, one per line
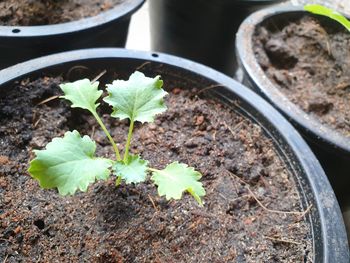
(207, 88)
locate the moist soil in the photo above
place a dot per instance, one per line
(48, 12)
(308, 59)
(131, 223)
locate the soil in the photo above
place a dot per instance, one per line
(131, 223)
(308, 59)
(48, 12)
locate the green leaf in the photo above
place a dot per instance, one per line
(82, 93)
(177, 178)
(332, 14)
(68, 163)
(140, 98)
(134, 170)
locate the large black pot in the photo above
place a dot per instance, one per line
(328, 232)
(107, 29)
(331, 147)
(201, 30)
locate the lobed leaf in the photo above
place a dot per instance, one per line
(82, 93)
(69, 164)
(139, 99)
(134, 170)
(325, 11)
(177, 178)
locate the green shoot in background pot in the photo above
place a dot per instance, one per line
(332, 14)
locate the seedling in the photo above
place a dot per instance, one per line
(69, 163)
(325, 11)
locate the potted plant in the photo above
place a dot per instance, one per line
(30, 29)
(295, 71)
(267, 198)
(201, 30)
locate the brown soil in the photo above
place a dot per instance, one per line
(131, 223)
(47, 12)
(309, 60)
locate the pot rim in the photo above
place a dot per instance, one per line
(255, 2)
(244, 49)
(332, 235)
(120, 11)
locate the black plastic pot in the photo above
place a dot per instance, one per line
(201, 30)
(331, 147)
(328, 232)
(107, 29)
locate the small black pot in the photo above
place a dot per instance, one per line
(201, 30)
(328, 232)
(331, 147)
(107, 29)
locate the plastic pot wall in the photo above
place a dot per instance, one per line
(331, 148)
(107, 29)
(201, 30)
(328, 232)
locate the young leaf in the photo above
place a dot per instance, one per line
(177, 178)
(82, 93)
(140, 98)
(324, 11)
(134, 170)
(68, 163)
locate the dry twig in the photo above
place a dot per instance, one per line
(48, 99)
(283, 240)
(300, 213)
(99, 76)
(36, 123)
(233, 130)
(7, 255)
(142, 65)
(75, 68)
(209, 87)
(93, 132)
(153, 203)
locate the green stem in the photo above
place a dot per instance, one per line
(118, 181)
(108, 135)
(126, 154)
(153, 170)
(195, 196)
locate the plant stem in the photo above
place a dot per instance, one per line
(126, 154)
(198, 199)
(118, 181)
(107, 134)
(127, 146)
(153, 170)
